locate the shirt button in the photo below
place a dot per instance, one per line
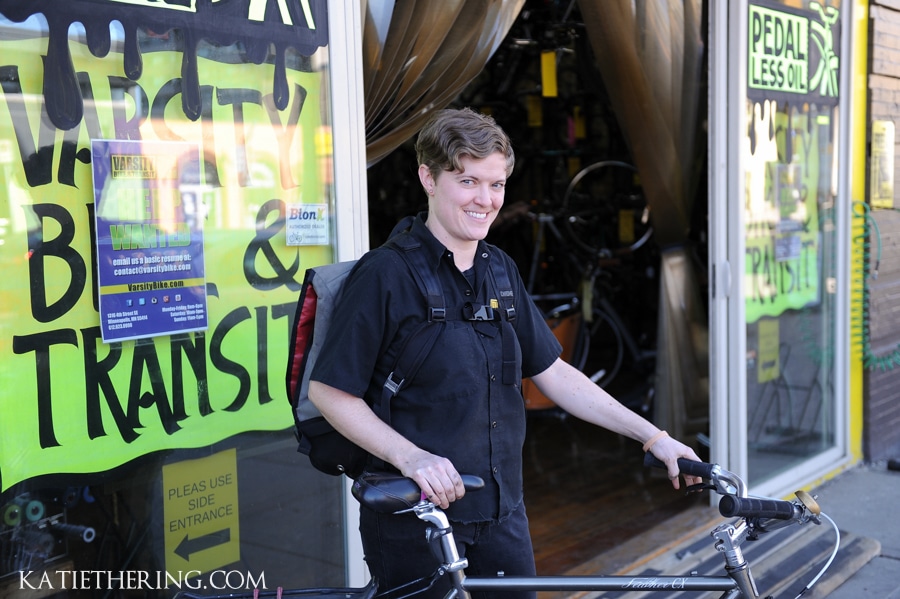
(493, 378)
(495, 470)
(494, 424)
(468, 292)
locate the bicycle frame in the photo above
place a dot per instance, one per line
(392, 493)
(604, 583)
(738, 582)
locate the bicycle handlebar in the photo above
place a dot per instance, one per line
(724, 482)
(752, 507)
(734, 502)
(685, 466)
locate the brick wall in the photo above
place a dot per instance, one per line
(881, 425)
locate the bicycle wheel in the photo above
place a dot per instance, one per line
(605, 210)
(605, 349)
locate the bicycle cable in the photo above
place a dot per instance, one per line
(837, 545)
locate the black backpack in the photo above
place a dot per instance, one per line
(328, 450)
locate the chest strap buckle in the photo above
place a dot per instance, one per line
(478, 312)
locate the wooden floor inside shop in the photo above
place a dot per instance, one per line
(587, 493)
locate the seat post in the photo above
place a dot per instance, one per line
(453, 564)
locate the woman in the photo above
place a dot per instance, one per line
(463, 412)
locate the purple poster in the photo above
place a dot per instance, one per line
(150, 260)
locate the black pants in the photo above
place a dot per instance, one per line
(397, 552)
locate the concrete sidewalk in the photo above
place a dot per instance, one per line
(863, 501)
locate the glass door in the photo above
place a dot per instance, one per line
(785, 219)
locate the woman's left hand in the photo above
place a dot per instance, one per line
(668, 450)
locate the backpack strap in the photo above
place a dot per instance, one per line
(502, 283)
(418, 345)
(411, 249)
(500, 278)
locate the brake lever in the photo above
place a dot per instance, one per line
(699, 488)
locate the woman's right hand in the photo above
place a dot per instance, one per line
(441, 484)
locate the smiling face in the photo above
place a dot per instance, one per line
(462, 204)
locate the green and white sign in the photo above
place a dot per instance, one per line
(793, 53)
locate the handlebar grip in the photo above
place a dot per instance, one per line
(685, 466)
(751, 507)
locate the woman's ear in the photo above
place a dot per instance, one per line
(426, 179)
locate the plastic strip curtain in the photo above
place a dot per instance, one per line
(418, 56)
(650, 56)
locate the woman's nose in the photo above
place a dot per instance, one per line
(484, 195)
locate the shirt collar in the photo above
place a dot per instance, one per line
(435, 250)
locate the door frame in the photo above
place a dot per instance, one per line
(728, 346)
(351, 212)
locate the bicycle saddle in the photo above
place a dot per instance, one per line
(389, 492)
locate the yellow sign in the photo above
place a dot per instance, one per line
(881, 176)
(548, 74)
(768, 366)
(200, 509)
(626, 226)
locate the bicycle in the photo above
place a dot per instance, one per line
(580, 287)
(755, 516)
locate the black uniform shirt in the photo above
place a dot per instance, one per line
(457, 406)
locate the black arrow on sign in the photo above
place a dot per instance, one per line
(189, 546)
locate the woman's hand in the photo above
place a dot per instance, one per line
(441, 484)
(668, 450)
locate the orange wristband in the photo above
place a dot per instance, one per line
(652, 440)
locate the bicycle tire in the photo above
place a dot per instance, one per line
(605, 349)
(589, 213)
